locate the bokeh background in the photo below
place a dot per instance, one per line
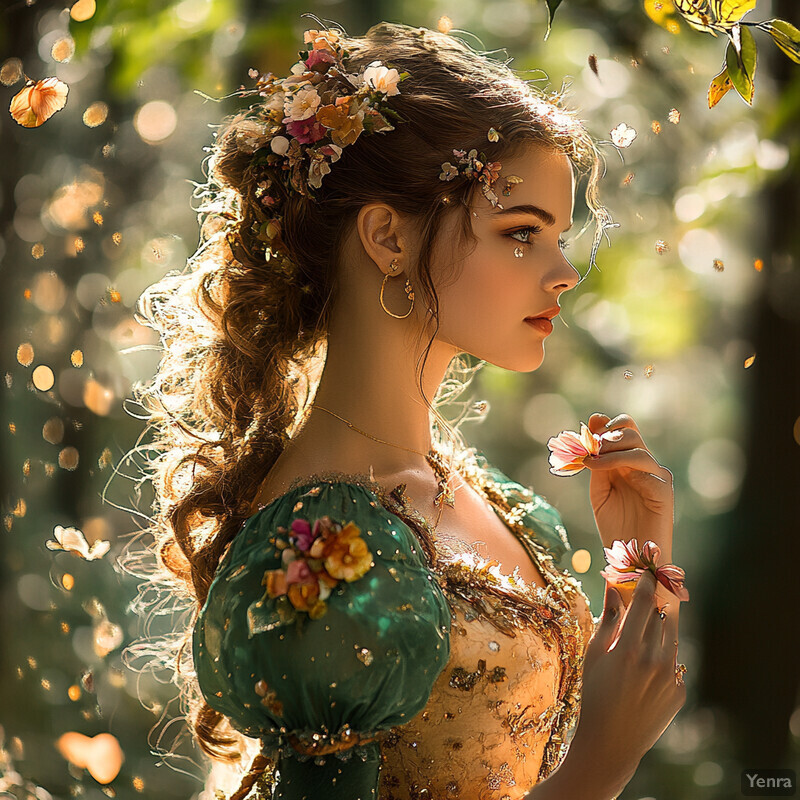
(690, 323)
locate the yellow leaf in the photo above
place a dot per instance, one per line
(730, 11)
(719, 87)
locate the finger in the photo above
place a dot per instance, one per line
(654, 630)
(640, 609)
(607, 628)
(620, 439)
(637, 459)
(671, 627)
(622, 421)
(597, 422)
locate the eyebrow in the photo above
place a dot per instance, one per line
(529, 208)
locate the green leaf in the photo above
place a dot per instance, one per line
(741, 63)
(552, 5)
(785, 35)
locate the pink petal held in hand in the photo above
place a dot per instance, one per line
(568, 450)
(626, 563)
(38, 101)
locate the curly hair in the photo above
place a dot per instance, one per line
(243, 329)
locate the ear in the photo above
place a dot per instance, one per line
(381, 231)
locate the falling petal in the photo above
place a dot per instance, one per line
(674, 116)
(623, 135)
(38, 101)
(655, 126)
(748, 362)
(72, 540)
(661, 246)
(719, 266)
(758, 264)
(648, 370)
(628, 375)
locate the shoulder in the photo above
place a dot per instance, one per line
(324, 593)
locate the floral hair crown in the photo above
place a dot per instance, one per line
(313, 113)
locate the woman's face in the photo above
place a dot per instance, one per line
(483, 311)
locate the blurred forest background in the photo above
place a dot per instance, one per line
(702, 275)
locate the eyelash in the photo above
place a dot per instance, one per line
(535, 229)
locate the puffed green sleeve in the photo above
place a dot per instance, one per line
(322, 628)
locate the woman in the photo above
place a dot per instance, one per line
(378, 604)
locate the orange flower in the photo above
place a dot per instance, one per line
(345, 553)
(345, 129)
(38, 101)
(303, 596)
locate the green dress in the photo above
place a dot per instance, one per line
(325, 626)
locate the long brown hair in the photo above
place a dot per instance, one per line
(243, 334)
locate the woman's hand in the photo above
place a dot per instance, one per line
(631, 493)
(629, 696)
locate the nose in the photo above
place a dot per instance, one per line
(564, 276)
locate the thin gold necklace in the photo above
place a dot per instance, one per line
(445, 493)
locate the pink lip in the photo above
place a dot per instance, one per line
(541, 324)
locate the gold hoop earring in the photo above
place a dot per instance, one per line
(409, 291)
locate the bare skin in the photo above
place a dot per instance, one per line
(370, 379)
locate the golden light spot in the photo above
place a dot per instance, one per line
(76, 358)
(108, 150)
(96, 114)
(43, 378)
(107, 637)
(105, 458)
(68, 458)
(661, 246)
(78, 244)
(31, 662)
(674, 116)
(27, 294)
(655, 126)
(83, 10)
(628, 375)
(12, 428)
(63, 49)
(26, 467)
(20, 673)
(718, 265)
(45, 684)
(53, 430)
(97, 398)
(11, 71)
(758, 264)
(67, 581)
(796, 430)
(155, 121)
(74, 692)
(116, 237)
(634, 63)
(672, 26)
(116, 677)
(444, 25)
(20, 509)
(25, 354)
(70, 203)
(114, 296)
(627, 179)
(748, 362)
(37, 251)
(581, 561)
(65, 628)
(648, 371)
(97, 218)
(49, 469)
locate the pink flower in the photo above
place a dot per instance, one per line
(303, 537)
(306, 131)
(569, 449)
(626, 563)
(298, 571)
(320, 58)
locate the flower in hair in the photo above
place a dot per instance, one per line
(314, 112)
(475, 166)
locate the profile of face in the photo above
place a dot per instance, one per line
(482, 310)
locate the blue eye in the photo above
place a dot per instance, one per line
(532, 229)
(527, 231)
